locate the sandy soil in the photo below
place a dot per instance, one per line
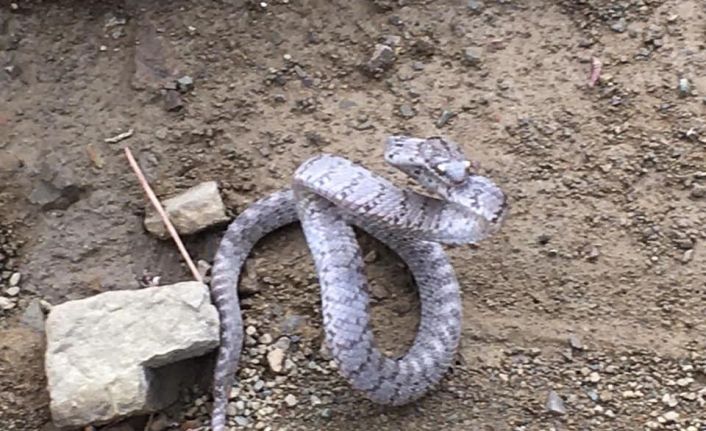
(604, 246)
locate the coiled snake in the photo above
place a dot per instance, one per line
(327, 196)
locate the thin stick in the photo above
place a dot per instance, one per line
(162, 214)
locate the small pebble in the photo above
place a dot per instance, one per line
(275, 359)
(407, 111)
(684, 87)
(555, 404)
(671, 416)
(13, 291)
(15, 279)
(291, 400)
(6, 303)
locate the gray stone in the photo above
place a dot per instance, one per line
(33, 316)
(407, 111)
(193, 210)
(471, 56)
(6, 303)
(185, 83)
(619, 26)
(107, 356)
(474, 5)
(555, 404)
(383, 57)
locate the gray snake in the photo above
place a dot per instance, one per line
(328, 195)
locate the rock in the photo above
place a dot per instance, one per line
(104, 353)
(594, 377)
(33, 316)
(575, 342)
(671, 416)
(291, 400)
(684, 382)
(555, 404)
(684, 87)
(444, 118)
(407, 111)
(670, 400)
(698, 191)
(687, 256)
(185, 83)
(15, 279)
(383, 58)
(619, 26)
(474, 6)
(275, 359)
(13, 291)
(195, 209)
(6, 303)
(172, 101)
(471, 56)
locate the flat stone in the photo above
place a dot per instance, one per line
(106, 355)
(555, 404)
(33, 316)
(275, 359)
(193, 210)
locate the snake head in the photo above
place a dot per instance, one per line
(441, 167)
(431, 161)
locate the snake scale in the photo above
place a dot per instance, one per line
(328, 195)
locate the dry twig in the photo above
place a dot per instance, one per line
(163, 215)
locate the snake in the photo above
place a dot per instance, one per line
(328, 196)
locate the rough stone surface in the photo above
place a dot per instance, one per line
(103, 353)
(191, 211)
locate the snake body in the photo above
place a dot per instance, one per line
(327, 196)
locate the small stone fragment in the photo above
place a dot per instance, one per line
(474, 6)
(407, 111)
(619, 26)
(6, 303)
(291, 400)
(684, 382)
(671, 416)
(444, 118)
(555, 404)
(172, 101)
(575, 342)
(185, 83)
(191, 211)
(33, 316)
(698, 191)
(13, 291)
(382, 59)
(275, 359)
(670, 400)
(471, 56)
(684, 87)
(594, 377)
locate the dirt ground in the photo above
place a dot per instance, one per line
(595, 289)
